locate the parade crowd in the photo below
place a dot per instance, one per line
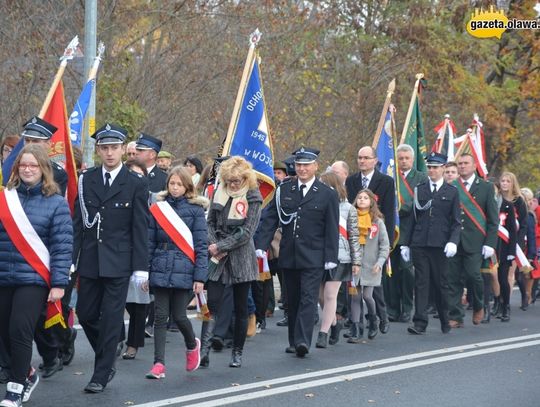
(154, 239)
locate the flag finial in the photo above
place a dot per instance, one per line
(101, 51)
(71, 49)
(255, 37)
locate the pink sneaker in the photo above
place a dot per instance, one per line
(157, 372)
(193, 357)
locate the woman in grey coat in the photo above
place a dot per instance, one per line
(349, 262)
(232, 221)
(374, 251)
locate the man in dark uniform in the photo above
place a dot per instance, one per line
(110, 246)
(433, 237)
(148, 148)
(308, 212)
(399, 288)
(479, 224)
(382, 186)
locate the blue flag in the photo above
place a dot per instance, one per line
(386, 154)
(250, 138)
(7, 166)
(76, 118)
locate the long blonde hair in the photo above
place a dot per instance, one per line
(49, 186)
(515, 192)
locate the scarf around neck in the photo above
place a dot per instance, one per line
(364, 223)
(239, 205)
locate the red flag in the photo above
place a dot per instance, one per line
(61, 149)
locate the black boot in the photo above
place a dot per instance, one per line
(335, 331)
(322, 340)
(487, 315)
(505, 316)
(236, 359)
(496, 309)
(373, 329)
(357, 333)
(207, 332)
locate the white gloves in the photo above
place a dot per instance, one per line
(487, 252)
(139, 277)
(450, 249)
(260, 253)
(405, 253)
(329, 265)
(510, 257)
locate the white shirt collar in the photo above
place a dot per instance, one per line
(405, 173)
(113, 173)
(439, 184)
(307, 184)
(149, 169)
(469, 181)
(368, 176)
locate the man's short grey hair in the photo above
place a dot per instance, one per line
(343, 165)
(405, 148)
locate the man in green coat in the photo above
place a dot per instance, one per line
(479, 223)
(398, 289)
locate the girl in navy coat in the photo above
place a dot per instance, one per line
(23, 292)
(173, 275)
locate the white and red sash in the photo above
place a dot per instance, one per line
(174, 227)
(521, 259)
(26, 240)
(343, 227)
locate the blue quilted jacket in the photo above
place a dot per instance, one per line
(51, 220)
(169, 266)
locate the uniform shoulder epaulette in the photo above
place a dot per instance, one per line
(287, 180)
(89, 170)
(57, 166)
(136, 174)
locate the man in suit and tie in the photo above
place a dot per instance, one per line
(148, 148)
(479, 224)
(399, 288)
(308, 213)
(383, 187)
(110, 246)
(433, 236)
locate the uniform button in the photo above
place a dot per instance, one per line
(299, 207)
(102, 207)
(100, 241)
(462, 228)
(297, 236)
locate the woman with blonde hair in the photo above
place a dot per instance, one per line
(36, 241)
(176, 269)
(531, 241)
(511, 192)
(232, 221)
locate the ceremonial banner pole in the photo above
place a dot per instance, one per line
(389, 92)
(69, 53)
(445, 126)
(253, 41)
(419, 76)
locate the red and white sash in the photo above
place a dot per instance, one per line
(26, 240)
(343, 227)
(521, 259)
(174, 227)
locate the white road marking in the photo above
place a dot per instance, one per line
(429, 357)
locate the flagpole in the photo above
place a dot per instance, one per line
(446, 120)
(253, 41)
(69, 53)
(419, 76)
(389, 92)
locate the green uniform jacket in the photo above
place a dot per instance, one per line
(472, 239)
(406, 215)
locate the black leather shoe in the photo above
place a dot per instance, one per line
(384, 326)
(445, 328)
(49, 370)
(405, 317)
(94, 388)
(416, 330)
(301, 350)
(217, 343)
(283, 322)
(290, 349)
(69, 350)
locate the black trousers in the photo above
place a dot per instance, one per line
(399, 288)
(224, 316)
(260, 290)
(431, 270)
(20, 308)
(137, 320)
(302, 296)
(240, 299)
(502, 275)
(100, 307)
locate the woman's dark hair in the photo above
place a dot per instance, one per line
(196, 162)
(134, 163)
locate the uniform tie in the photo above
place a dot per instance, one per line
(434, 189)
(303, 189)
(466, 185)
(107, 181)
